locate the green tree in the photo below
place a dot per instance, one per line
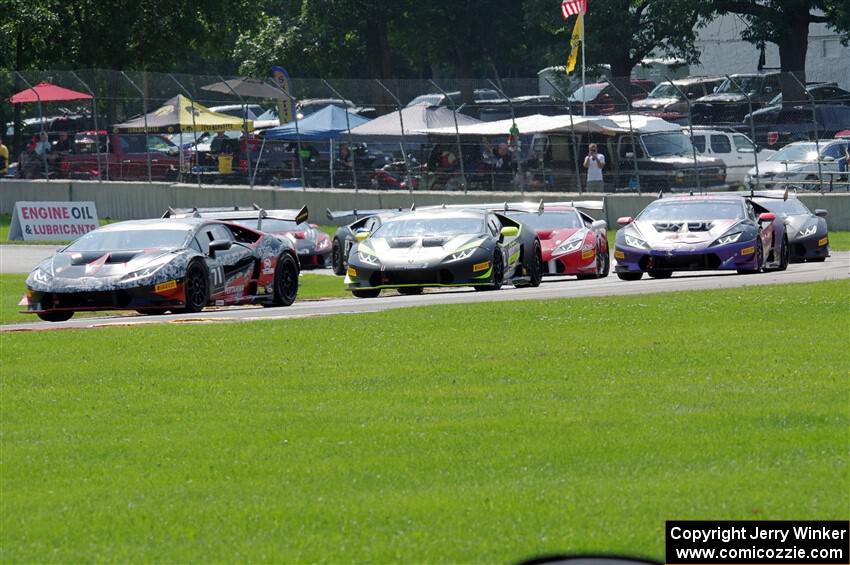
(786, 23)
(621, 33)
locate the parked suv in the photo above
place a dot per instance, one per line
(666, 101)
(777, 127)
(735, 149)
(601, 98)
(729, 104)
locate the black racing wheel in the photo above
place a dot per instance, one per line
(197, 286)
(285, 280)
(336, 258)
(59, 316)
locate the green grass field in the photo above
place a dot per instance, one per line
(12, 287)
(474, 433)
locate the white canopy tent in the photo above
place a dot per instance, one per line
(607, 125)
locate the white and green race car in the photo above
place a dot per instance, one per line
(442, 247)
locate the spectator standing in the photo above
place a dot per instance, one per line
(594, 163)
(4, 158)
(63, 145)
(503, 166)
(42, 146)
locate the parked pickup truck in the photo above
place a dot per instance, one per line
(122, 157)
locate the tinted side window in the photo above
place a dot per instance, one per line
(699, 142)
(493, 225)
(626, 146)
(201, 241)
(742, 144)
(835, 151)
(220, 232)
(720, 144)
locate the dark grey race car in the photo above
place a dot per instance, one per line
(807, 231)
(444, 247)
(344, 238)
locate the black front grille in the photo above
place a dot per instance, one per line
(107, 299)
(695, 262)
(411, 276)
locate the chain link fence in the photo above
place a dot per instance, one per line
(688, 134)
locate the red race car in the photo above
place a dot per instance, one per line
(573, 243)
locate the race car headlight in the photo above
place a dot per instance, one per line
(806, 231)
(462, 254)
(568, 246)
(148, 270)
(633, 241)
(728, 238)
(41, 276)
(367, 258)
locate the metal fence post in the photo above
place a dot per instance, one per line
(691, 128)
(513, 120)
(631, 133)
(194, 125)
(96, 130)
(297, 137)
(244, 126)
(348, 128)
(401, 122)
(815, 125)
(457, 134)
(566, 99)
(145, 117)
(752, 125)
(41, 123)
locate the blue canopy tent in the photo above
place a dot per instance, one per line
(328, 124)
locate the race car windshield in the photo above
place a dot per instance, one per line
(416, 227)
(550, 220)
(131, 239)
(273, 225)
(692, 211)
(790, 207)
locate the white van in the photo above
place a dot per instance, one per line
(733, 148)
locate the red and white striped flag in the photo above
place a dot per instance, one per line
(573, 7)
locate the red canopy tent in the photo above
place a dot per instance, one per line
(46, 92)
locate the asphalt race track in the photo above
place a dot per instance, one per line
(836, 267)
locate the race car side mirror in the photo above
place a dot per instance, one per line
(219, 245)
(510, 231)
(767, 217)
(598, 225)
(821, 212)
(624, 221)
(362, 235)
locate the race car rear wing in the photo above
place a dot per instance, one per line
(294, 215)
(357, 214)
(539, 207)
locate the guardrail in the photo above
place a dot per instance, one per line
(127, 200)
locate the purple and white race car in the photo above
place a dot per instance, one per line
(698, 233)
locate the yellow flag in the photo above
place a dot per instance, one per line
(575, 41)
